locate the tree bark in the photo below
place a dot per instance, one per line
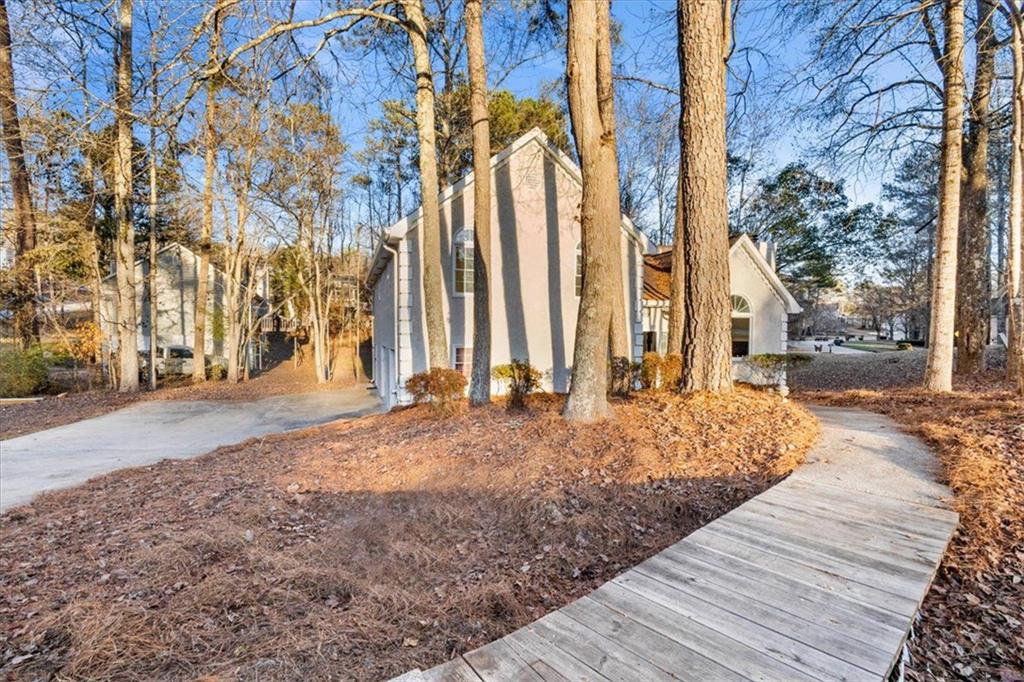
(707, 325)
(618, 331)
(430, 222)
(153, 312)
(206, 237)
(973, 289)
(939, 370)
(677, 283)
(594, 134)
(1015, 248)
(127, 312)
(480, 380)
(26, 326)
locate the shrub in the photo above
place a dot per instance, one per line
(903, 345)
(774, 365)
(440, 387)
(522, 378)
(671, 371)
(22, 372)
(650, 367)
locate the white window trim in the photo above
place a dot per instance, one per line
(469, 358)
(749, 316)
(457, 243)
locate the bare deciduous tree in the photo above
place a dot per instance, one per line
(430, 217)
(1015, 249)
(593, 129)
(939, 371)
(25, 324)
(206, 238)
(127, 312)
(973, 290)
(706, 343)
(480, 381)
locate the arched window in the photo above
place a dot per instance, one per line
(741, 314)
(740, 305)
(463, 255)
(579, 269)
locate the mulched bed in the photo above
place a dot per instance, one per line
(361, 549)
(972, 620)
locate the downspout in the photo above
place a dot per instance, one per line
(395, 275)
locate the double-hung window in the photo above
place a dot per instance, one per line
(463, 257)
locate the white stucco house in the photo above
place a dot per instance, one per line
(761, 304)
(536, 276)
(176, 283)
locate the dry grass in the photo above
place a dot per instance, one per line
(973, 617)
(362, 549)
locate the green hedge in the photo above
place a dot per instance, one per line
(22, 372)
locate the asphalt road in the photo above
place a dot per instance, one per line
(147, 432)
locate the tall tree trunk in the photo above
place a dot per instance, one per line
(619, 332)
(127, 312)
(480, 381)
(591, 114)
(26, 325)
(1015, 248)
(154, 317)
(973, 288)
(939, 370)
(206, 237)
(677, 283)
(707, 327)
(430, 223)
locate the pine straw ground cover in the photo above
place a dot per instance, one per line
(361, 549)
(972, 620)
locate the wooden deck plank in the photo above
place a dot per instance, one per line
(743, 659)
(781, 647)
(499, 661)
(886, 516)
(841, 541)
(712, 601)
(663, 651)
(867, 624)
(455, 670)
(549, 660)
(927, 514)
(808, 552)
(869, 519)
(604, 655)
(814, 576)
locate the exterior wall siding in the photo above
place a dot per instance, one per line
(176, 276)
(534, 234)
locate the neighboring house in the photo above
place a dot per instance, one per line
(761, 304)
(176, 281)
(536, 273)
(536, 278)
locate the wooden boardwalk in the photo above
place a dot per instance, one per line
(818, 578)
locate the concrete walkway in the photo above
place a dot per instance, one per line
(148, 432)
(818, 578)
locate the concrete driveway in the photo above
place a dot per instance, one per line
(148, 432)
(808, 347)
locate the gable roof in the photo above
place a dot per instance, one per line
(394, 234)
(658, 274)
(141, 262)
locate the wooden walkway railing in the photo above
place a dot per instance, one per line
(818, 578)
